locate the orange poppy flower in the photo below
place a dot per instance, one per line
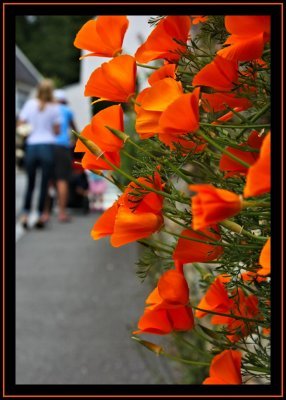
(91, 161)
(114, 80)
(232, 167)
(164, 321)
(136, 199)
(265, 259)
(220, 74)
(128, 221)
(130, 226)
(214, 102)
(188, 251)
(225, 369)
(104, 226)
(153, 101)
(215, 299)
(212, 205)
(166, 71)
(172, 291)
(258, 179)
(113, 117)
(108, 143)
(247, 39)
(182, 115)
(103, 36)
(167, 309)
(161, 44)
(244, 306)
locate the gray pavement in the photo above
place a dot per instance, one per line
(77, 302)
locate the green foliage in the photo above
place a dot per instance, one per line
(47, 40)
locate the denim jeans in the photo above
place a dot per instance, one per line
(38, 157)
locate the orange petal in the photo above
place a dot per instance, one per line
(231, 166)
(214, 102)
(104, 226)
(212, 205)
(265, 259)
(225, 369)
(247, 24)
(90, 161)
(154, 298)
(181, 318)
(258, 179)
(161, 94)
(244, 48)
(188, 251)
(147, 123)
(86, 133)
(155, 321)
(130, 227)
(173, 288)
(114, 81)
(215, 299)
(166, 71)
(103, 36)
(199, 18)
(220, 74)
(161, 44)
(181, 116)
(110, 116)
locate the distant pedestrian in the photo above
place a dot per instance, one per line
(43, 115)
(63, 158)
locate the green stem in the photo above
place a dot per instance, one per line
(123, 136)
(120, 187)
(190, 345)
(222, 149)
(261, 323)
(202, 241)
(154, 246)
(183, 360)
(255, 118)
(131, 157)
(97, 152)
(146, 66)
(258, 126)
(233, 226)
(257, 369)
(246, 203)
(241, 117)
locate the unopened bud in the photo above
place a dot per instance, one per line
(151, 346)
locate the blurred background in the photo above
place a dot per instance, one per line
(77, 300)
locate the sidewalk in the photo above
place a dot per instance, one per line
(77, 302)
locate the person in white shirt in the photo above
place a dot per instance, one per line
(44, 117)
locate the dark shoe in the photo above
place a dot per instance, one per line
(25, 225)
(40, 224)
(24, 222)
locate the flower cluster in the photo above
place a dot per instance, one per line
(198, 121)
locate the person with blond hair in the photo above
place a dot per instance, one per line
(43, 116)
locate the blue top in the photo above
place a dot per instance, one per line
(63, 139)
